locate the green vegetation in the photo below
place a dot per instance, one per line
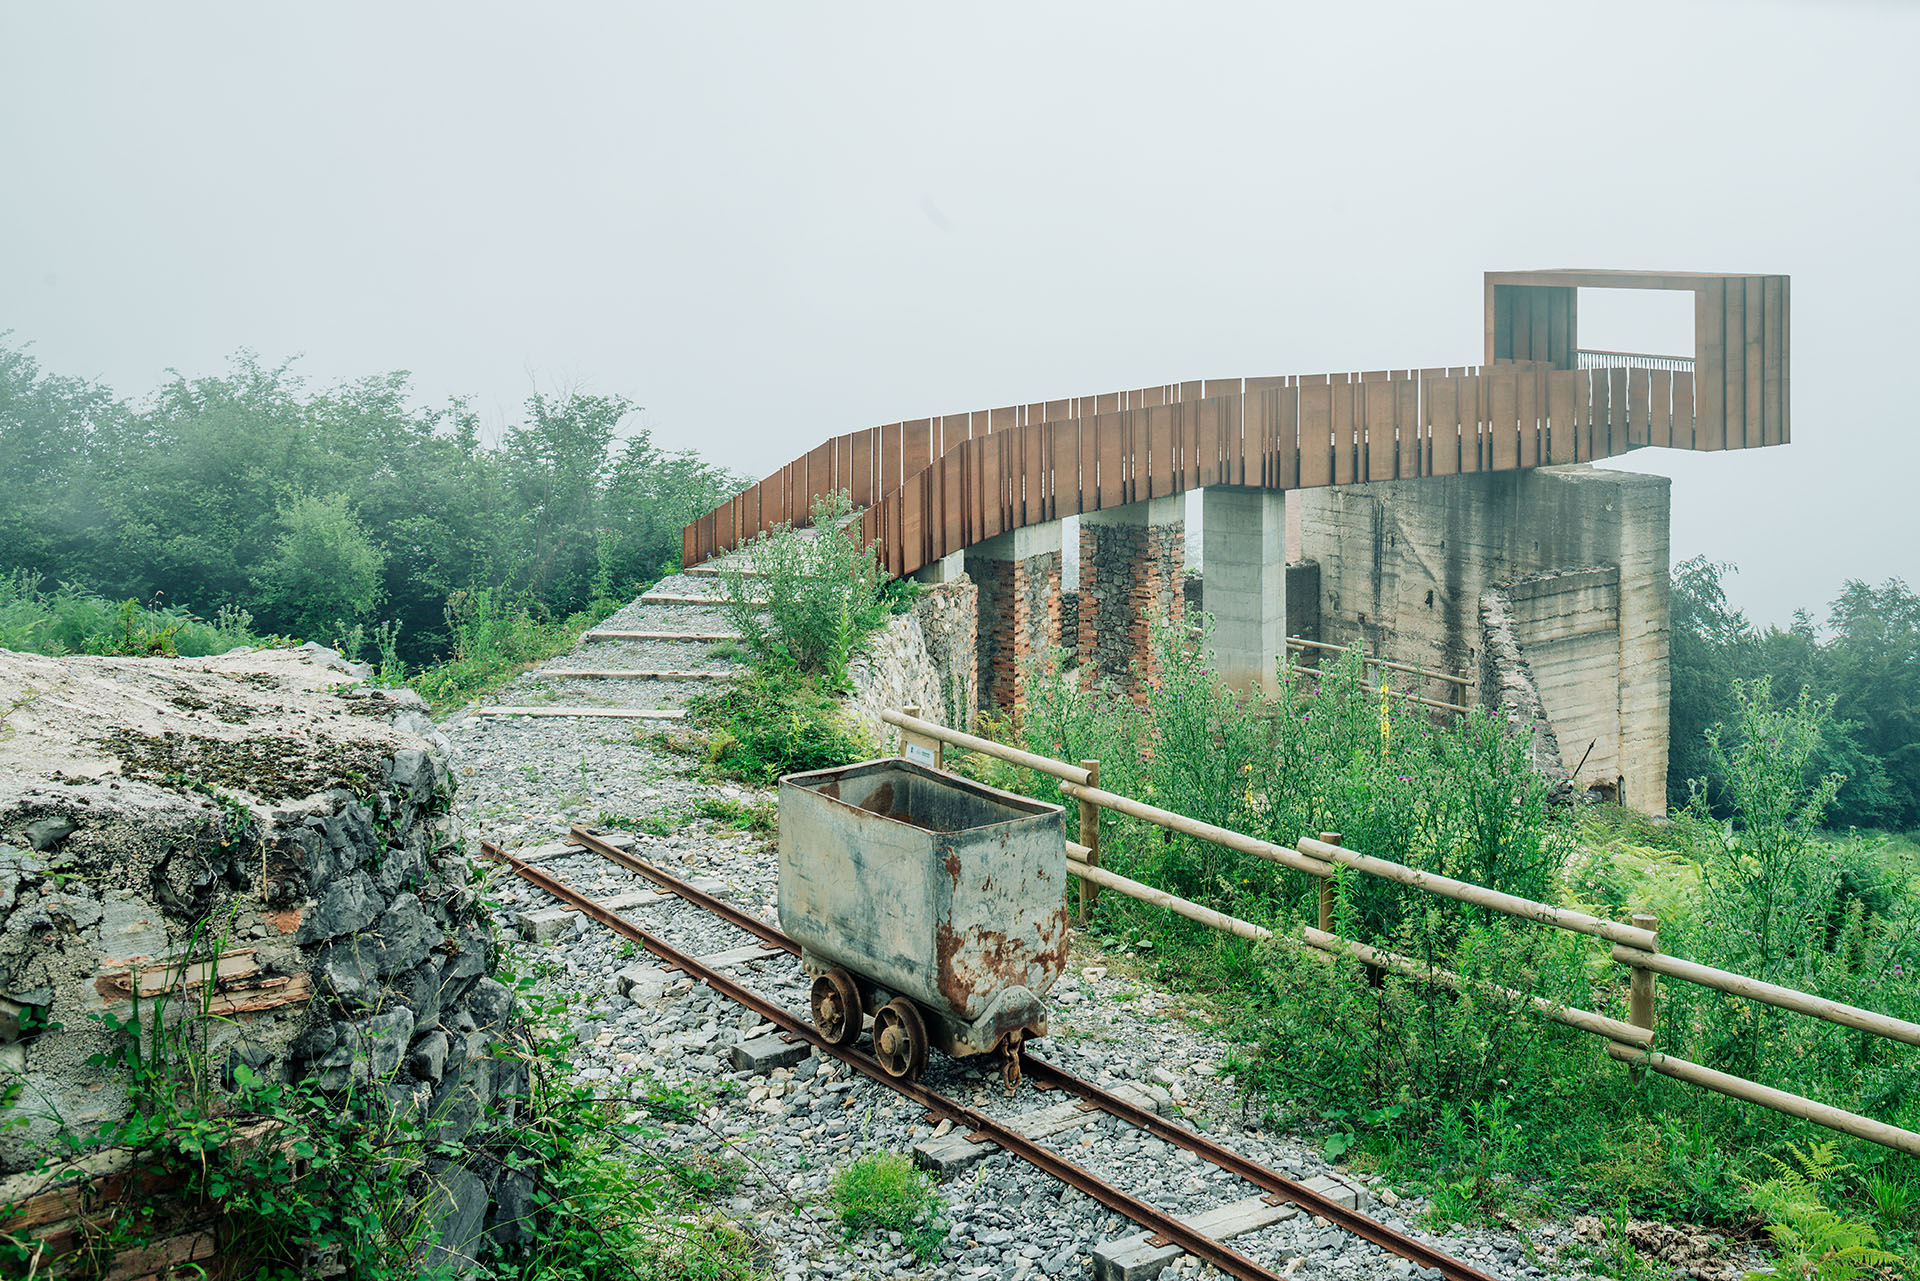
(756, 818)
(771, 721)
(319, 509)
(815, 598)
(1467, 1093)
(1863, 664)
(884, 1192)
(297, 1175)
(72, 620)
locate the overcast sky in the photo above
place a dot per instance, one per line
(772, 223)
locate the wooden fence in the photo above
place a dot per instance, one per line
(936, 485)
(1634, 945)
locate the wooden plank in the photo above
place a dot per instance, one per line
(1599, 419)
(1756, 359)
(1005, 418)
(1503, 421)
(1560, 392)
(1376, 418)
(1110, 439)
(1683, 422)
(1089, 464)
(1660, 407)
(1407, 427)
(1233, 438)
(994, 486)
(1065, 491)
(1539, 344)
(1473, 445)
(1786, 359)
(1735, 354)
(894, 505)
(1107, 403)
(1527, 407)
(1639, 407)
(1582, 416)
(859, 479)
(1191, 391)
(1162, 479)
(1772, 359)
(913, 521)
(1710, 366)
(1316, 431)
(889, 477)
(1286, 436)
(820, 482)
(1207, 429)
(1520, 344)
(1617, 409)
(955, 431)
(1559, 320)
(1345, 448)
(916, 447)
(1441, 398)
(952, 526)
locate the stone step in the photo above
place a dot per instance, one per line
(624, 713)
(614, 673)
(710, 638)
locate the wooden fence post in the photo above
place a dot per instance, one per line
(1640, 980)
(1326, 889)
(918, 747)
(1090, 837)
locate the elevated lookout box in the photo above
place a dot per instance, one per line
(929, 900)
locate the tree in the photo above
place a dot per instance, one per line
(325, 571)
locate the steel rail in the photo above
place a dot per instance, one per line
(585, 836)
(979, 1125)
(1047, 1076)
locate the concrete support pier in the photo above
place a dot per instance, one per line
(1018, 578)
(1132, 567)
(945, 570)
(1244, 534)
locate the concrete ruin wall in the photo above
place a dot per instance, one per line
(271, 803)
(925, 658)
(1403, 566)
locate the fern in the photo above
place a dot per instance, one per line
(1811, 1241)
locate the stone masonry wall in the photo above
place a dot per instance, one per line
(1019, 621)
(269, 802)
(927, 658)
(1129, 574)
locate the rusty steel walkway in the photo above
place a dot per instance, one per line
(932, 486)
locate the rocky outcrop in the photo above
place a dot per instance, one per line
(260, 833)
(923, 658)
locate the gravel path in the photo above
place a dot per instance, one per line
(525, 780)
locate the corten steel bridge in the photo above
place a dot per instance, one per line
(1417, 489)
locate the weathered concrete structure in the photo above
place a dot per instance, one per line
(1579, 554)
(1425, 499)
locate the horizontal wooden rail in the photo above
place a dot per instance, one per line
(1301, 642)
(1480, 895)
(986, 747)
(1410, 698)
(1794, 1105)
(1785, 998)
(1221, 836)
(1584, 1020)
(1160, 898)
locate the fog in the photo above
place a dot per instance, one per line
(772, 223)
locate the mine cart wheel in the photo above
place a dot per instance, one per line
(900, 1040)
(836, 1007)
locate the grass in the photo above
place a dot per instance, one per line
(884, 1192)
(663, 823)
(773, 721)
(73, 620)
(495, 639)
(755, 818)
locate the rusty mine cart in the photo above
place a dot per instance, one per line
(932, 902)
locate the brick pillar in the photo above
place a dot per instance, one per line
(1018, 578)
(1132, 567)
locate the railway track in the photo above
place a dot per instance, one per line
(1271, 1197)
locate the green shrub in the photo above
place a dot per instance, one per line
(495, 638)
(774, 721)
(885, 1192)
(815, 595)
(73, 620)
